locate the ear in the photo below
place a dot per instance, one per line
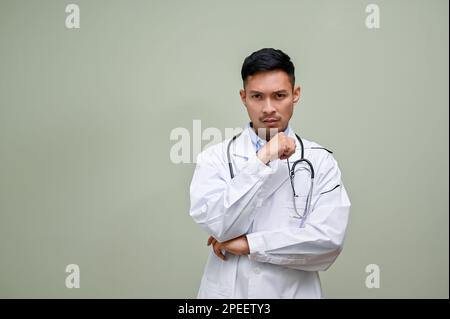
(296, 94)
(243, 96)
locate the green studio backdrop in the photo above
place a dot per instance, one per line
(86, 115)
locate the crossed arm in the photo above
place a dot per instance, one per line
(225, 209)
(236, 246)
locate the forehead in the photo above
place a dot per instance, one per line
(268, 81)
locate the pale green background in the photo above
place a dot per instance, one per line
(85, 118)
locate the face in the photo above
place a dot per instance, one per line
(269, 98)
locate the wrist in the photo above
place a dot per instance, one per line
(247, 247)
(263, 156)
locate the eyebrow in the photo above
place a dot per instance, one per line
(258, 92)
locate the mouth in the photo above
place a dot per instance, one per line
(270, 120)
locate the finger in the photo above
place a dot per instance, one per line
(292, 147)
(216, 248)
(222, 251)
(291, 151)
(287, 151)
(287, 154)
(224, 254)
(218, 252)
(210, 239)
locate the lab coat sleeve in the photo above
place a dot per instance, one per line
(224, 207)
(316, 245)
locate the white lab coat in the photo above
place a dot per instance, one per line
(284, 259)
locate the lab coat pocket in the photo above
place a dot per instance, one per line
(296, 207)
(302, 182)
(212, 290)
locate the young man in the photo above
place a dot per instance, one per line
(271, 231)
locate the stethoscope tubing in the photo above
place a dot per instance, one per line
(291, 176)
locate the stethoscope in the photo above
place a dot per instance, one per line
(291, 172)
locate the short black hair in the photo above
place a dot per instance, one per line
(268, 59)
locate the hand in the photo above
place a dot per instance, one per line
(236, 246)
(280, 146)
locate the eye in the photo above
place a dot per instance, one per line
(280, 95)
(256, 96)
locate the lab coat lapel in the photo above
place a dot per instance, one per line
(242, 147)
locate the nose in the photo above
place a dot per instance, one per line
(268, 107)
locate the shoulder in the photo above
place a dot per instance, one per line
(319, 154)
(213, 153)
(314, 147)
(219, 152)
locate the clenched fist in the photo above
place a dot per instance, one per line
(280, 146)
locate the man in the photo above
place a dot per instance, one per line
(270, 233)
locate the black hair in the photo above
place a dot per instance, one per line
(268, 59)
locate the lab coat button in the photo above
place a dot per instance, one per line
(256, 270)
(204, 208)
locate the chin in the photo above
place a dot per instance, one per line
(275, 125)
(271, 126)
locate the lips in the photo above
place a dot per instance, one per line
(270, 120)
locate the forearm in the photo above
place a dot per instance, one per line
(312, 248)
(227, 212)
